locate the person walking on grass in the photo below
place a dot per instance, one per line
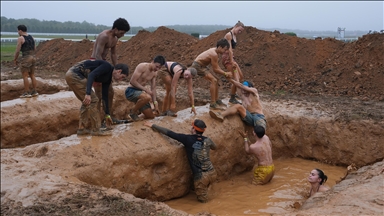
(26, 44)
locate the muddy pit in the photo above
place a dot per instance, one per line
(46, 168)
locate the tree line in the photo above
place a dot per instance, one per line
(45, 26)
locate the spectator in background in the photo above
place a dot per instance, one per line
(26, 44)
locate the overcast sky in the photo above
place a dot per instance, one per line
(310, 15)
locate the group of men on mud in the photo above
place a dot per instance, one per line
(99, 74)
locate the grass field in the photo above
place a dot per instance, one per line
(8, 48)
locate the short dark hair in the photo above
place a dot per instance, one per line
(322, 176)
(123, 67)
(121, 24)
(222, 43)
(200, 124)
(259, 131)
(248, 83)
(159, 59)
(22, 28)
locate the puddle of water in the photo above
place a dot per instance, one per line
(40, 98)
(237, 196)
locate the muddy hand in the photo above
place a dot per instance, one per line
(193, 110)
(148, 124)
(108, 122)
(87, 100)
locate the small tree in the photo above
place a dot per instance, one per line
(291, 33)
(196, 35)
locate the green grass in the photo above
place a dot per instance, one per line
(8, 48)
(8, 51)
(80, 37)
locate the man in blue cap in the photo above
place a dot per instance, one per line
(251, 110)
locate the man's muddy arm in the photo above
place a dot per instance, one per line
(114, 55)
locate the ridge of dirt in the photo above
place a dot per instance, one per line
(274, 62)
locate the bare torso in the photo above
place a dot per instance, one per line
(251, 102)
(104, 42)
(206, 57)
(263, 151)
(145, 73)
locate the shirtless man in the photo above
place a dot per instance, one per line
(136, 92)
(211, 57)
(106, 41)
(251, 111)
(170, 76)
(262, 150)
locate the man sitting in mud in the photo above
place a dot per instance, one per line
(251, 111)
(136, 92)
(170, 76)
(262, 150)
(197, 148)
(80, 78)
(211, 57)
(106, 41)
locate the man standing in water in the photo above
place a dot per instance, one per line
(26, 44)
(197, 148)
(262, 150)
(106, 41)
(211, 57)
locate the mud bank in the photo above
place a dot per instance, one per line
(297, 128)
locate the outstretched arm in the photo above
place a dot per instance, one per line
(175, 79)
(245, 88)
(190, 94)
(166, 131)
(216, 68)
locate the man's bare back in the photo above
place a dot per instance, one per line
(262, 150)
(207, 57)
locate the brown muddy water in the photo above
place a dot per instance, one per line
(237, 196)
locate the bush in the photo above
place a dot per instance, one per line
(196, 35)
(291, 33)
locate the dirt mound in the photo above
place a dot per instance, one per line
(275, 62)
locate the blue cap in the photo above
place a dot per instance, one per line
(246, 83)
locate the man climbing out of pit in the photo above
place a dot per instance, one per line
(197, 148)
(80, 78)
(107, 41)
(250, 111)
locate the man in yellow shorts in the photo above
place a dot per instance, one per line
(262, 149)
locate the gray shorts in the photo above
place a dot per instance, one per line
(132, 94)
(254, 119)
